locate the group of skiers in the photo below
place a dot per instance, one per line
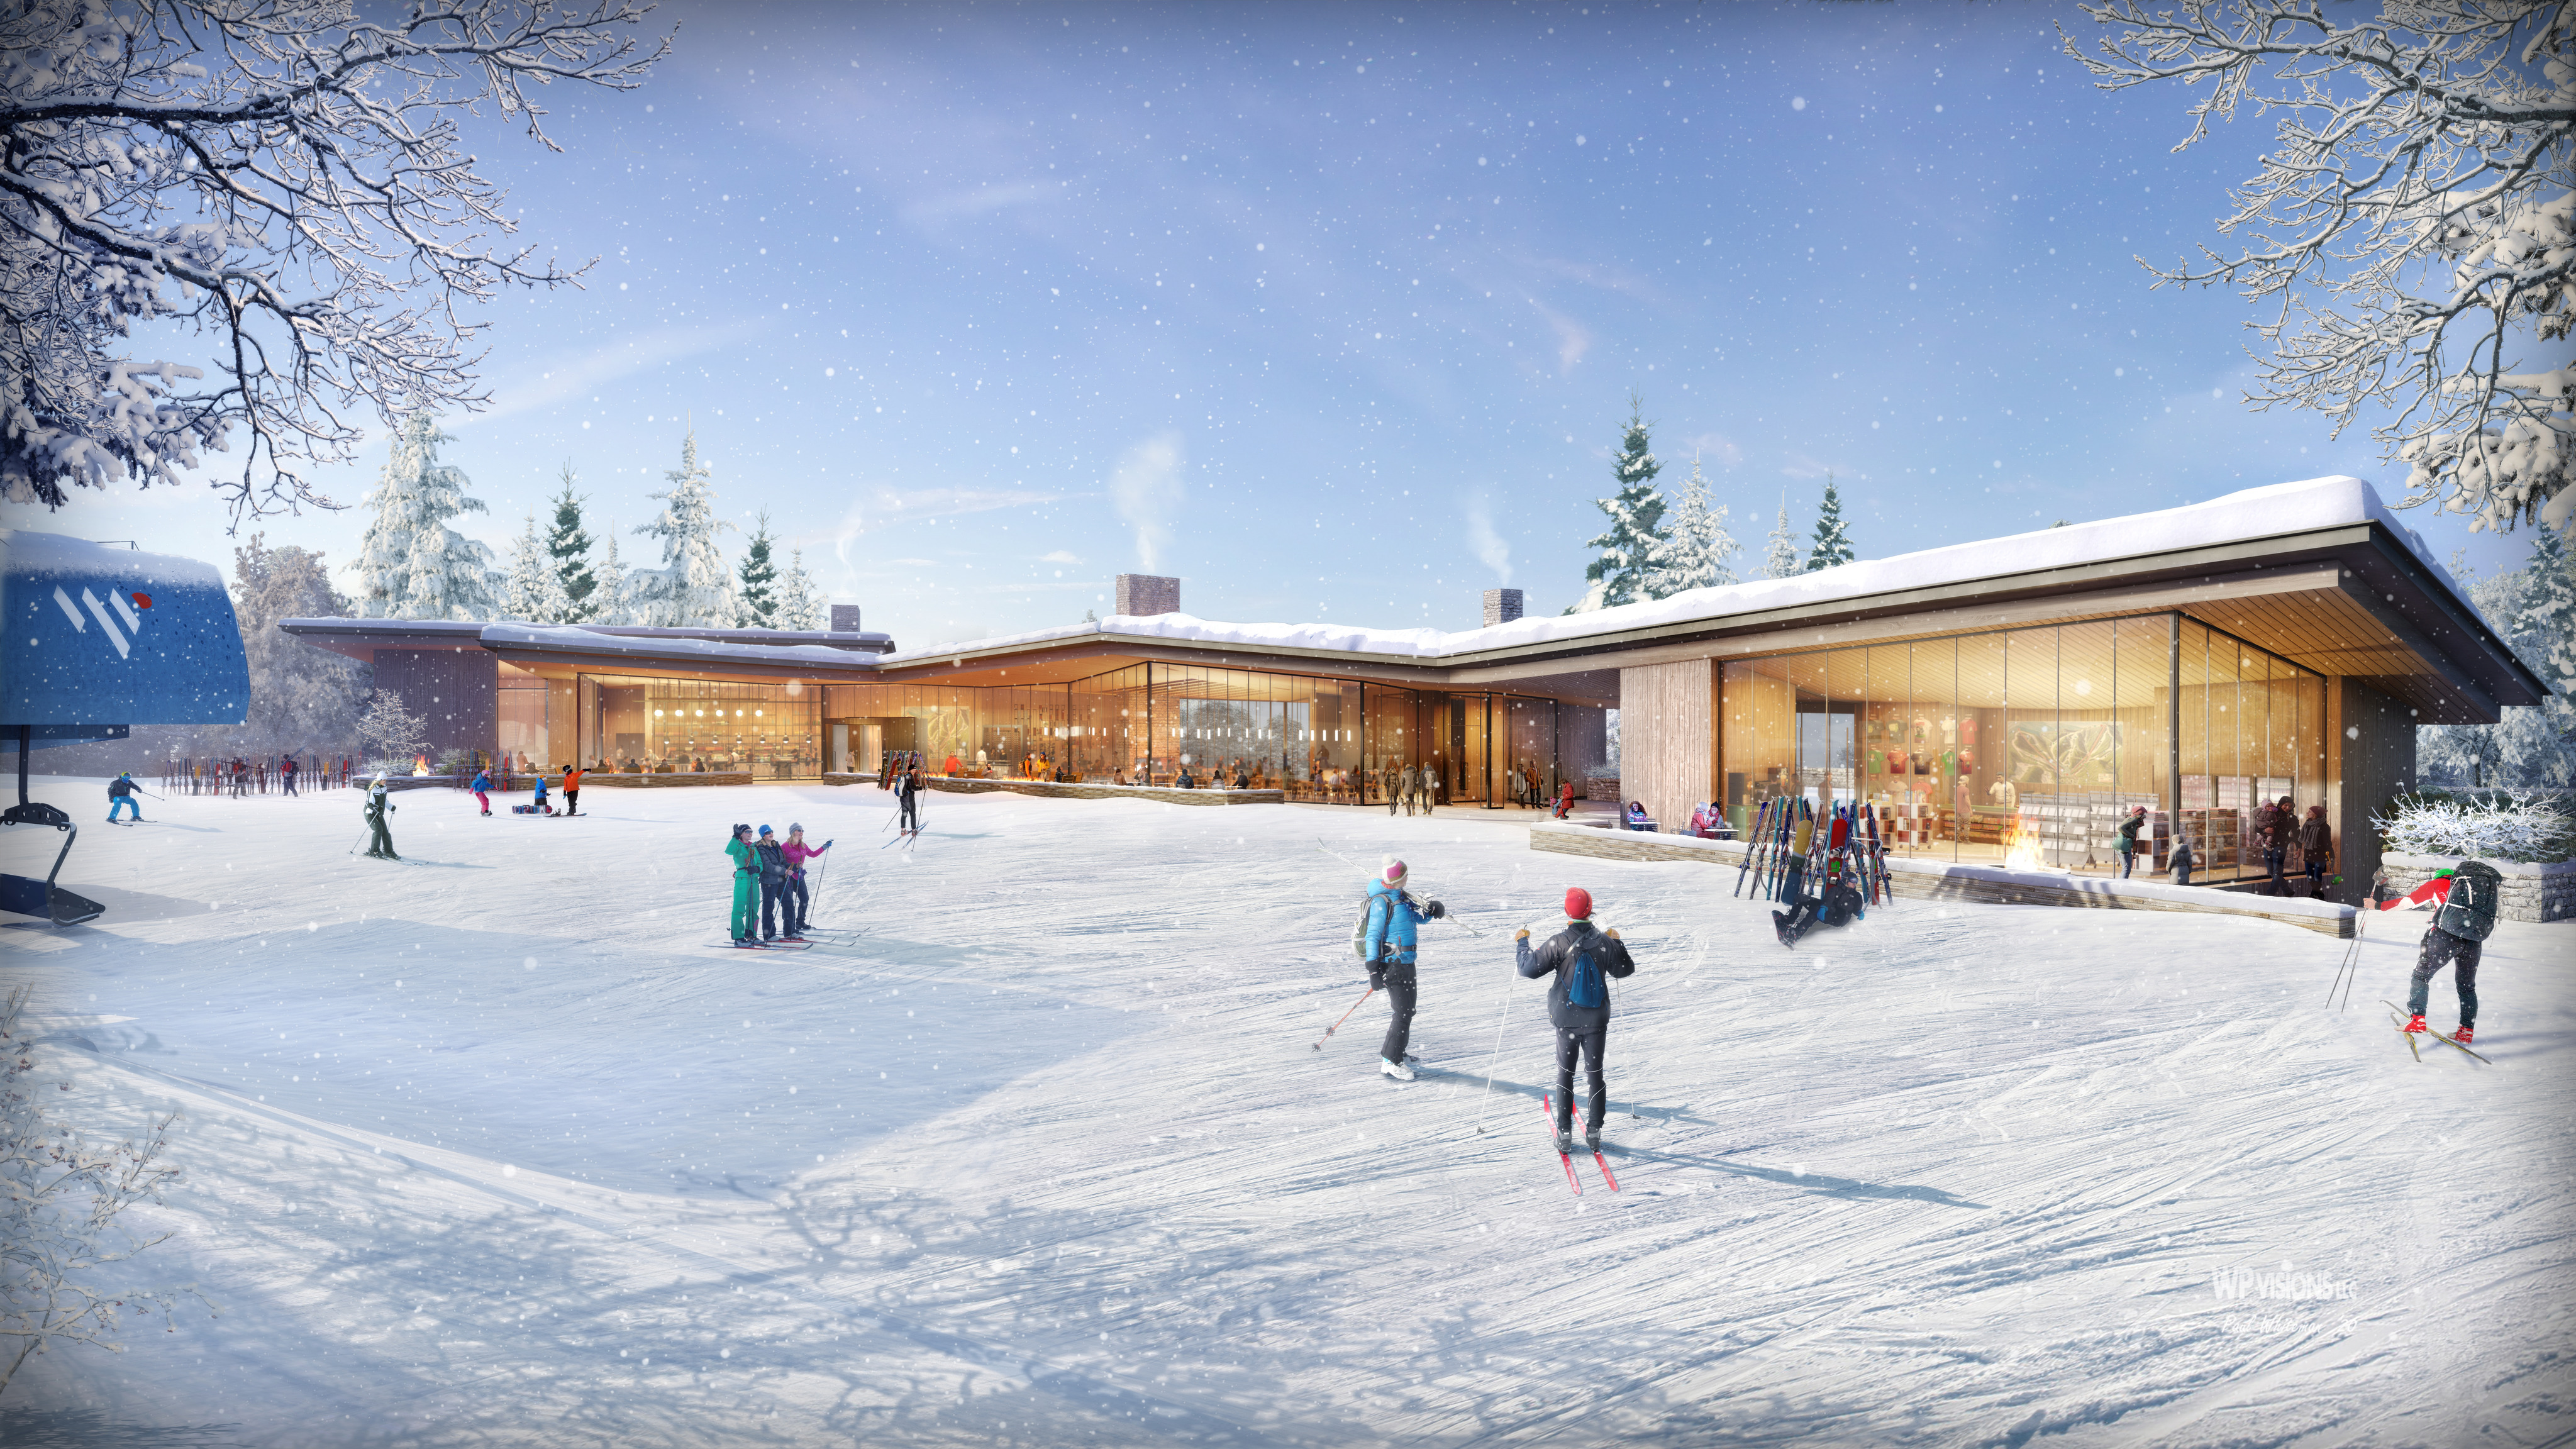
(1578, 961)
(538, 805)
(771, 872)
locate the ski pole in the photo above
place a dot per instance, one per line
(1492, 1061)
(1337, 1026)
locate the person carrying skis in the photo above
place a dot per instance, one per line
(797, 853)
(1388, 946)
(2463, 902)
(746, 882)
(572, 788)
(773, 884)
(1578, 958)
(482, 788)
(379, 804)
(120, 796)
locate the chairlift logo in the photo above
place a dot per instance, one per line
(107, 622)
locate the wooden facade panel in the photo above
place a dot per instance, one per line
(1665, 744)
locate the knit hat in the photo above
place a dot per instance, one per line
(764, 830)
(1393, 874)
(1578, 904)
(793, 827)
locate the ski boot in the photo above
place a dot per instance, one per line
(1397, 1070)
(2414, 1023)
(1592, 1143)
(1565, 1141)
(2462, 1035)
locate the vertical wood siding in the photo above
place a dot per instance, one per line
(1665, 742)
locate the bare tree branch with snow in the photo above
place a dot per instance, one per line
(2411, 237)
(282, 177)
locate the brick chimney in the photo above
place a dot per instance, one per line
(1142, 596)
(845, 618)
(1501, 606)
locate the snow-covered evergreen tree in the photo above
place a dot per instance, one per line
(1832, 545)
(608, 602)
(693, 588)
(569, 545)
(800, 604)
(2534, 608)
(411, 565)
(759, 580)
(1780, 551)
(301, 697)
(1618, 573)
(1696, 544)
(533, 591)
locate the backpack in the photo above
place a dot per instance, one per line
(1583, 983)
(2469, 910)
(1359, 928)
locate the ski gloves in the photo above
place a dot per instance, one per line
(1435, 910)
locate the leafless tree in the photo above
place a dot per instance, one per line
(2411, 237)
(285, 178)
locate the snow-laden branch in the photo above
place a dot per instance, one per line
(281, 176)
(2411, 236)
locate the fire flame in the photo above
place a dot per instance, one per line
(2021, 850)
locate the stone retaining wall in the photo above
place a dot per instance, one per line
(1933, 880)
(959, 785)
(2531, 892)
(657, 782)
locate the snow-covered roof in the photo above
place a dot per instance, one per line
(2273, 511)
(575, 639)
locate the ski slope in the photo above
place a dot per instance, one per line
(490, 1147)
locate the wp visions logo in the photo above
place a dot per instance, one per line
(2285, 1286)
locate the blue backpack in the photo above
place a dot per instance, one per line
(1583, 983)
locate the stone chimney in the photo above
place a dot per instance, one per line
(845, 618)
(1142, 596)
(1501, 606)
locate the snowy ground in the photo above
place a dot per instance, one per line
(489, 1147)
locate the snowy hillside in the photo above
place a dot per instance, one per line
(491, 1147)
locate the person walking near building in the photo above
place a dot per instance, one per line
(907, 794)
(120, 796)
(380, 805)
(1389, 948)
(286, 771)
(482, 788)
(797, 853)
(2125, 840)
(773, 883)
(746, 886)
(2275, 826)
(2463, 901)
(2181, 858)
(2316, 850)
(1579, 960)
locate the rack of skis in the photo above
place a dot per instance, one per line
(1793, 854)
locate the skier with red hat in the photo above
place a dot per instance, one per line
(1578, 1003)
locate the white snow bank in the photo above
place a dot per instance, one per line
(2254, 513)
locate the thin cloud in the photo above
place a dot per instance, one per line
(1059, 556)
(887, 507)
(576, 376)
(1572, 341)
(1491, 548)
(959, 205)
(1715, 448)
(1802, 466)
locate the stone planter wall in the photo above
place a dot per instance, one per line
(658, 782)
(1603, 787)
(2531, 892)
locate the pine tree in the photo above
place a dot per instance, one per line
(759, 580)
(608, 602)
(1636, 514)
(1694, 552)
(411, 565)
(2534, 608)
(301, 697)
(569, 545)
(1832, 545)
(533, 591)
(800, 604)
(1780, 552)
(693, 588)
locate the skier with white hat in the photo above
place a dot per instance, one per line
(1392, 916)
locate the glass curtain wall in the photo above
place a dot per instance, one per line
(2030, 746)
(667, 726)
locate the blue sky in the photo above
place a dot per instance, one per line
(1334, 310)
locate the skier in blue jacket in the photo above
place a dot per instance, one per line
(482, 789)
(1392, 915)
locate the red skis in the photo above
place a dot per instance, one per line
(1547, 1104)
(1603, 1163)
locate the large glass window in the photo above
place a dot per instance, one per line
(666, 726)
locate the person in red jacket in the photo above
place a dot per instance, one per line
(572, 789)
(2440, 947)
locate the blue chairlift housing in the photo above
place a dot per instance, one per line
(101, 638)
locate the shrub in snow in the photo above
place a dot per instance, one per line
(391, 732)
(65, 1259)
(2495, 826)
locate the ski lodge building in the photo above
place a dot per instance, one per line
(2012, 697)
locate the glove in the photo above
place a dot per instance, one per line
(1377, 978)
(1612, 933)
(1521, 935)
(1435, 910)
(826, 846)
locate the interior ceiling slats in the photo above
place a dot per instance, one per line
(2331, 632)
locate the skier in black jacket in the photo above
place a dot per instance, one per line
(1583, 1030)
(772, 862)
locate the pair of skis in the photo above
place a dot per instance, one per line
(2399, 1017)
(1547, 1104)
(762, 945)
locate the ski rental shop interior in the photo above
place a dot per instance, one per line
(2005, 701)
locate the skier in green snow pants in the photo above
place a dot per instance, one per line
(746, 886)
